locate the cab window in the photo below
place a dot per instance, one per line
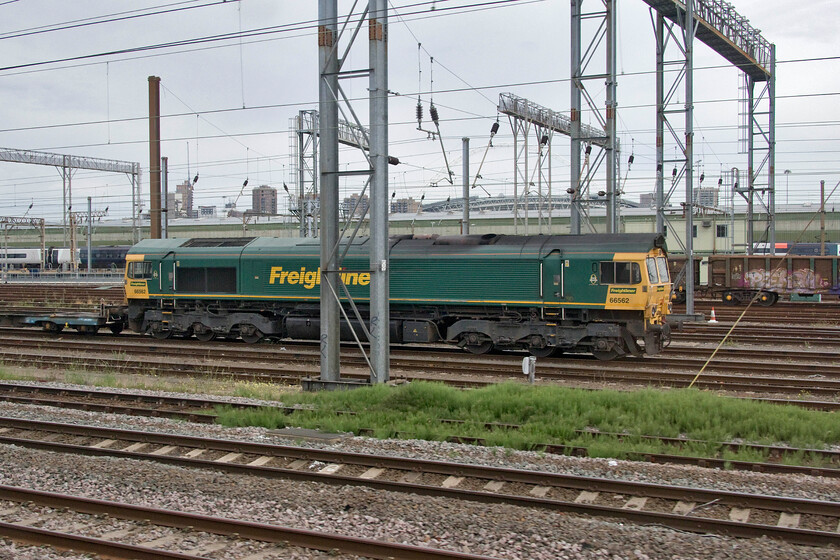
(139, 270)
(662, 264)
(620, 273)
(653, 276)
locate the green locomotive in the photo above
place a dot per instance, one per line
(605, 294)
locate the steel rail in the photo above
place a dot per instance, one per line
(101, 547)
(567, 371)
(84, 403)
(578, 370)
(577, 483)
(749, 360)
(231, 527)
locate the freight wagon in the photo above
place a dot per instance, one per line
(736, 279)
(605, 294)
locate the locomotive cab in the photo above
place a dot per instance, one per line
(638, 291)
(627, 297)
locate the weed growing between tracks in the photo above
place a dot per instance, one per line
(607, 423)
(151, 380)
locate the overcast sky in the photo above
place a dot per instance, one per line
(227, 104)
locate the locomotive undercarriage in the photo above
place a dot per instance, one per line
(606, 334)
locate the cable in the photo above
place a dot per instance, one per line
(75, 24)
(271, 30)
(199, 115)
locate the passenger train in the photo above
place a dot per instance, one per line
(102, 257)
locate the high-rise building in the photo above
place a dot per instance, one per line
(404, 206)
(361, 203)
(264, 200)
(184, 194)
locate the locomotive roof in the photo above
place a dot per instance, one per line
(544, 244)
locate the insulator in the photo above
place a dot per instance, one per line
(434, 113)
(419, 113)
(630, 161)
(674, 172)
(494, 129)
(588, 149)
(393, 161)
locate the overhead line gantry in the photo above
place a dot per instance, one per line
(676, 24)
(67, 164)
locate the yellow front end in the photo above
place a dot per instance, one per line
(648, 288)
(641, 297)
(659, 293)
(136, 277)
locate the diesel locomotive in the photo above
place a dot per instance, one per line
(601, 293)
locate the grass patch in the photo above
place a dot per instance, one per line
(546, 415)
(206, 385)
(554, 415)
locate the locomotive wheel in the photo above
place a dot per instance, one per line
(729, 298)
(544, 352)
(605, 355)
(161, 334)
(250, 334)
(205, 335)
(481, 348)
(116, 328)
(766, 299)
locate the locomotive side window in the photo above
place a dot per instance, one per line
(652, 271)
(662, 263)
(139, 270)
(620, 273)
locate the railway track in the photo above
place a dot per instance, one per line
(754, 373)
(200, 410)
(825, 314)
(108, 528)
(799, 521)
(744, 335)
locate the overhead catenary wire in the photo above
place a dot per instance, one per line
(235, 36)
(209, 136)
(108, 18)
